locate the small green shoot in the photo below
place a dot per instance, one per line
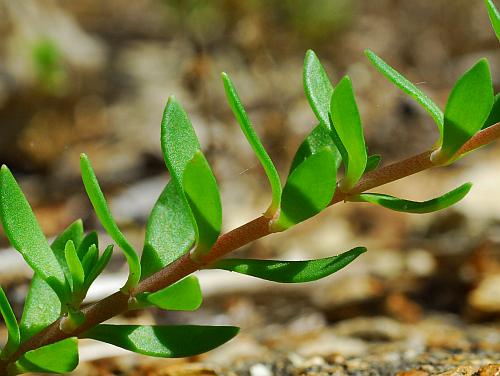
(183, 229)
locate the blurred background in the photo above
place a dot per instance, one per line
(92, 76)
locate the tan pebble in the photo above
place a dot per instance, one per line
(185, 370)
(412, 372)
(460, 371)
(490, 370)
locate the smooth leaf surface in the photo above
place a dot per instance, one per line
(468, 107)
(407, 206)
(90, 258)
(178, 139)
(14, 336)
(308, 190)
(73, 232)
(494, 17)
(290, 271)
(169, 231)
(254, 141)
(25, 235)
(319, 138)
(318, 87)
(98, 266)
(494, 116)
(75, 266)
(101, 208)
(89, 240)
(59, 357)
(164, 341)
(184, 295)
(203, 196)
(348, 133)
(372, 162)
(41, 308)
(407, 87)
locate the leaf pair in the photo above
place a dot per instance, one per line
(336, 108)
(192, 192)
(338, 137)
(467, 110)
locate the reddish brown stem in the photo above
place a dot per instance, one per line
(253, 230)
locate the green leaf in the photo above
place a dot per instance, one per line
(98, 267)
(10, 320)
(348, 133)
(254, 141)
(184, 295)
(24, 233)
(319, 138)
(89, 240)
(73, 232)
(75, 266)
(59, 357)
(169, 232)
(203, 196)
(308, 190)
(317, 87)
(42, 306)
(372, 162)
(406, 86)
(164, 341)
(290, 271)
(494, 17)
(407, 206)
(494, 116)
(468, 107)
(101, 208)
(90, 258)
(178, 139)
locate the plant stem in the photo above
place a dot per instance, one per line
(118, 302)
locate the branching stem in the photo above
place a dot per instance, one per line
(118, 302)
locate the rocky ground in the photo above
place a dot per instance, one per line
(88, 76)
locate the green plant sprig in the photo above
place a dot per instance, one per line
(118, 302)
(183, 230)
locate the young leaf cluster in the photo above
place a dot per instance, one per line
(185, 223)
